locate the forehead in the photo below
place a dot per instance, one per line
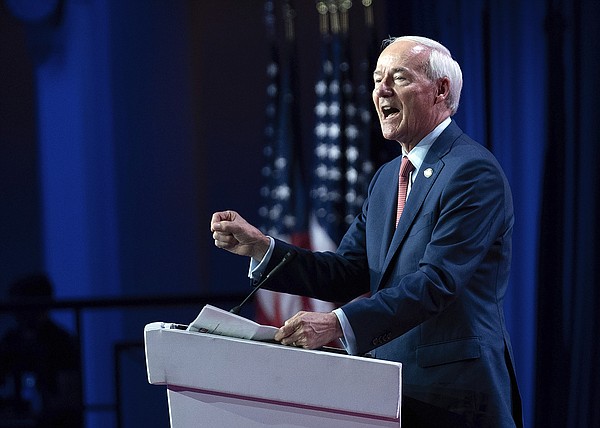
(402, 55)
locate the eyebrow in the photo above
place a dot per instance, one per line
(394, 71)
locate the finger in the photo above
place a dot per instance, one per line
(218, 217)
(229, 226)
(214, 221)
(280, 335)
(225, 241)
(223, 236)
(283, 333)
(291, 331)
(293, 340)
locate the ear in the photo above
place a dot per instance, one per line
(443, 90)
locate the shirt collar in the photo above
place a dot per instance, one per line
(418, 153)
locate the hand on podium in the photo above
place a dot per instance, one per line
(310, 330)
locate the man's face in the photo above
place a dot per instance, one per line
(404, 97)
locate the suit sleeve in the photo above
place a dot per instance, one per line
(335, 277)
(321, 275)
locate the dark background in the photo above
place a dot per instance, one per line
(125, 124)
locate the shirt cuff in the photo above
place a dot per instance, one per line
(257, 267)
(349, 340)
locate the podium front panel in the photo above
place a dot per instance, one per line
(218, 381)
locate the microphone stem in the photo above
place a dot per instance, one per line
(288, 256)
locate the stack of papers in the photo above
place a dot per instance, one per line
(214, 320)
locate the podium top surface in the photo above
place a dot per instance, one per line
(272, 373)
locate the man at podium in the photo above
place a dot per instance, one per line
(431, 247)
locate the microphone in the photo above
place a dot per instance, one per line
(286, 259)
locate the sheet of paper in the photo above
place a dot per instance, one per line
(218, 321)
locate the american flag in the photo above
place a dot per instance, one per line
(284, 208)
(341, 162)
(342, 165)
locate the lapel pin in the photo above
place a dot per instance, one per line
(428, 172)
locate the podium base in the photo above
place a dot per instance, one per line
(191, 408)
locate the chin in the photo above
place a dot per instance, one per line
(390, 135)
(390, 131)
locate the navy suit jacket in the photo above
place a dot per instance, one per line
(436, 283)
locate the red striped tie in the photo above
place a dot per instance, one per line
(405, 170)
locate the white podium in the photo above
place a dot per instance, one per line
(216, 381)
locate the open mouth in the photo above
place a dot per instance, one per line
(388, 111)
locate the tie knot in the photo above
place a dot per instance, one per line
(406, 167)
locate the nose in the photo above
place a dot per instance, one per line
(382, 89)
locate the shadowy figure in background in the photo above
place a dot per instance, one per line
(40, 371)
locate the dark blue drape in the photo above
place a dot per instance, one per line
(500, 46)
(529, 71)
(568, 329)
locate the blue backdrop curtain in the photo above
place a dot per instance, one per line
(568, 334)
(530, 74)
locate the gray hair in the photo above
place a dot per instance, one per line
(440, 64)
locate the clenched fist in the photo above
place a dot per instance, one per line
(232, 233)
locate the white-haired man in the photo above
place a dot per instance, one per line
(432, 246)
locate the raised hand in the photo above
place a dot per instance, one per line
(232, 233)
